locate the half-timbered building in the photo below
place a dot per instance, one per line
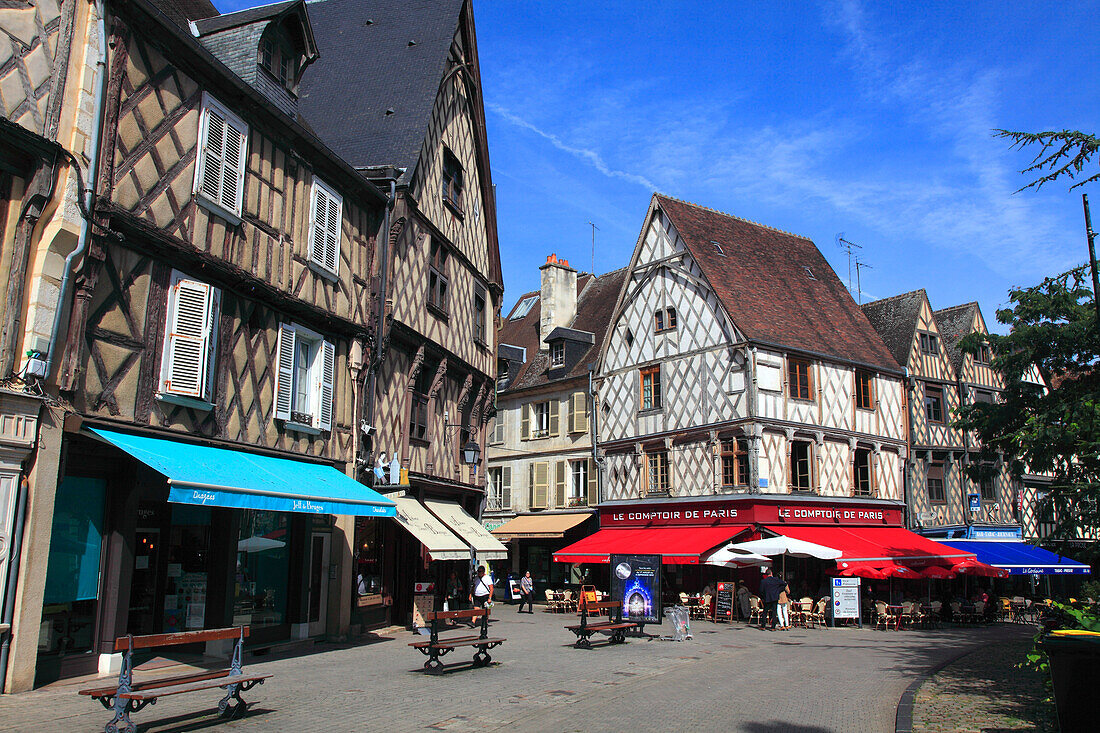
(739, 383)
(543, 482)
(401, 101)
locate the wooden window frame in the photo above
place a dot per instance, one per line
(734, 457)
(858, 480)
(938, 403)
(929, 343)
(557, 355)
(204, 337)
(438, 282)
(664, 320)
(321, 375)
(940, 496)
(658, 461)
(988, 481)
(574, 496)
(418, 418)
(453, 189)
(792, 485)
(799, 379)
(497, 484)
(653, 374)
(480, 305)
(865, 390)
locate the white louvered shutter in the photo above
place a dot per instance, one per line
(541, 484)
(213, 156)
(593, 484)
(233, 173)
(555, 420)
(325, 227)
(328, 377)
(506, 487)
(284, 382)
(222, 163)
(578, 409)
(525, 428)
(188, 338)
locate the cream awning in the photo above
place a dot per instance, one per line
(485, 546)
(441, 543)
(539, 526)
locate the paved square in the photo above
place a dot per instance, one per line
(730, 678)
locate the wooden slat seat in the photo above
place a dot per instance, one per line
(437, 646)
(129, 697)
(614, 628)
(179, 689)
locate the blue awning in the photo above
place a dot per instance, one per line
(200, 474)
(1020, 558)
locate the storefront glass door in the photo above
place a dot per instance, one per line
(263, 569)
(318, 582)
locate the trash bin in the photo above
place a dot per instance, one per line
(680, 621)
(1075, 672)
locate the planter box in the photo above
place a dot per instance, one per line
(1075, 672)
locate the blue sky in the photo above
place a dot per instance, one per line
(871, 119)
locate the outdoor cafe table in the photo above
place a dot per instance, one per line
(896, 610)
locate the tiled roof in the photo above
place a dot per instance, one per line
(242, 17)
(777, 287)
(953, 324)
(182, 11)
(895, 318)
(371, 99)
(595, 302)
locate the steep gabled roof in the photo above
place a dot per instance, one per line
(954, 323)
(777, 287)
(372, 100)
(595, 303)
(895, 318)
(182, 11)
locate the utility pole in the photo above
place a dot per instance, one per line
(1091, 236)
(859, 288)
(594, 228)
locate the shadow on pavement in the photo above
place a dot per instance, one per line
(782, 726)
(193, 721)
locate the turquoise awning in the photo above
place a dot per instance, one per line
(200, 474)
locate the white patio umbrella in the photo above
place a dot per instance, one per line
(259, 544)
(781, 545)
(728, 557)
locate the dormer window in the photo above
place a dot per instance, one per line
(278, 58)
(557, 355)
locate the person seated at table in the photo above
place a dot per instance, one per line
(708, 590)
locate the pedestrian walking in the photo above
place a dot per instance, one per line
(770, 588)
(783, 606)
(527, 592)
(482, 591)
(744, 605)
(455, 592)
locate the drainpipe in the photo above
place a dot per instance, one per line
(752, 387)
(90, 185)
(383, 271)
(13, 583)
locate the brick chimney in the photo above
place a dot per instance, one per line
(559, 296)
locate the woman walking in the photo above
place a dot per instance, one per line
(784, 606)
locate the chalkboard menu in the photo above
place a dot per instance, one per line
(723, 602)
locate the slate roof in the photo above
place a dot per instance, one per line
(242, 17)
(380, 55)
(182, 11)
(895, 318)
(954, 323)
(595, 303)
(763, 283)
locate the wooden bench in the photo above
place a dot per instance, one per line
(437, 647)
(615, 628)
(128, 696)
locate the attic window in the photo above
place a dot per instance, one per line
(809, 273)
(718, 248)
(557, 355)
(452, 182)
(278, 57)
(524, 307)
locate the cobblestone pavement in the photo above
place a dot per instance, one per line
(726, 678)
(984, 692)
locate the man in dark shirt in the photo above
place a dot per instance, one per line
(770, 588)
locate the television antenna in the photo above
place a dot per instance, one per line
(859, 289)
(594, 228)
(847, 246)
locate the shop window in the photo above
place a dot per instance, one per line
(650, 398)
(437, 278)
(735, 461)
(933, 403)
(801, 469)
(263, 569)
(863, 473)
(368, 562)
(307, 370)
(799, 379)
(452, 181)
(657, 471)
(934, 482)
(187, 360)
(865, 390)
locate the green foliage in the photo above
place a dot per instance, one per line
(1064, 153)
(1090, 589)
(1062, 616)
(1048, 419)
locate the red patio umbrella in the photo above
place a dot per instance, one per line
(899, 571)
(937, 572)
(860, 570)
(971, 566)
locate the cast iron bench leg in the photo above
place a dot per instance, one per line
(482, 658)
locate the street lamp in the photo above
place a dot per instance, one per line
(471, 452)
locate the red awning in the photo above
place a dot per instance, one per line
(876, 545)
(676, 545)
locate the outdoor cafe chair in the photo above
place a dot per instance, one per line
(756, 611)
(702, 609)
(552, 602)
(683, 599)
(883, 616)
